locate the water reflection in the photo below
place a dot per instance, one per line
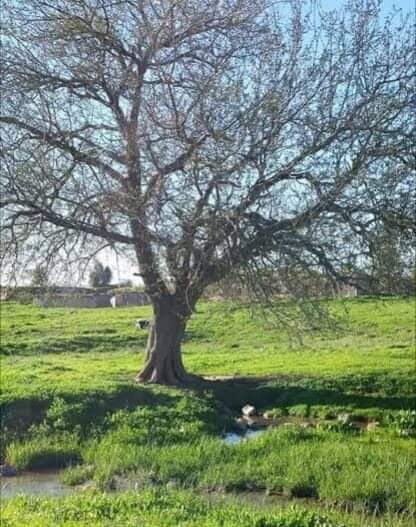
(34, 484)
(232, 438)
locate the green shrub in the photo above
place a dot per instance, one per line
(299, 410)
(275, 413)
(325, 411)
(185, 421)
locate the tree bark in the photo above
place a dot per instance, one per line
(163, 364)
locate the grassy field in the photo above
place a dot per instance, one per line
(68, 398)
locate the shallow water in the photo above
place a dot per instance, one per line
(46, 483)
(34, 484)
(233, 438)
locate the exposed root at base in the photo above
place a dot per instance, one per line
(168, 380)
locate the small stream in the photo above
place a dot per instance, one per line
(47, 482)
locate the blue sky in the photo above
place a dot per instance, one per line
(387, 4)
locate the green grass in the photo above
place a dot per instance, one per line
(77, 474)
(373, 472)
(153, 508)
(68, 397)
(43, 451)
(47, 349)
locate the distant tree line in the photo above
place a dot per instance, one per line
(100, 276)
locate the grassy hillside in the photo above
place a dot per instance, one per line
(67, 350)
(68, 398)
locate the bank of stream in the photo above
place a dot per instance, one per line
(48, 482)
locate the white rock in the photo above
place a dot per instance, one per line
(344, 419)
(248, 410)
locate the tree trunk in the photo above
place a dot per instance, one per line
(163, 363)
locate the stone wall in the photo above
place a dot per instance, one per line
(88, 301)
(92, 301)
(131, 299)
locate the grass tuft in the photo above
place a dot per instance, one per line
(44, 452)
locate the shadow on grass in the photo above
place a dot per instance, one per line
(79, 344)
(286, 391)
(86, 410)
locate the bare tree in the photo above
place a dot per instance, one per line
(206, 137)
